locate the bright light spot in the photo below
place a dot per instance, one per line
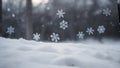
(8, 9)
(37, 2)
(48, 8)
(13, 15)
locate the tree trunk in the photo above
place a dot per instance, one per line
(29, 26)
(0, 17)
(119, 10)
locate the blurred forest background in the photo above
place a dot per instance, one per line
(39, 16)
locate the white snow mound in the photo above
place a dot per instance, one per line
(20, 53)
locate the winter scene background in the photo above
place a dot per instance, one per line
(59, 34)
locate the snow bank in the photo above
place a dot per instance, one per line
(20, 53)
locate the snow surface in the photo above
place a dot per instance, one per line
(20, 53)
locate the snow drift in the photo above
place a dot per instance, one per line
(20, 53)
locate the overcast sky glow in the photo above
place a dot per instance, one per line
(37, 2)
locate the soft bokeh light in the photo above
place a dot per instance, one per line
(37, 2)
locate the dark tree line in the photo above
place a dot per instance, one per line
(45, 23)
(28, 20)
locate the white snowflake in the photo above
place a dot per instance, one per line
(10, 30)
(90, 31)
(107, 12)
(8, 9)
(101, 29)
(36, 36)
(60, 13)
(98, 12)
(81, 35)
(48, 8)
(63, 25)
(13, 15)
(55, 37)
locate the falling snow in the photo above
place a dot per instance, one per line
(63, 25)
(80, 35)
(8, 9)
(55, 37)
(60, 13)
(10, 30)
(90, 31)
(101, 29)
(36, 36)
(107, 12)
(13, 15)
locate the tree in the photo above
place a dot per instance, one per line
(0, 17)
(29, 26)
(119, 9)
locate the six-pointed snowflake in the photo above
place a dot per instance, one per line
(101, 29)
(10, 30)
(106, 12)
(36, 36)
(60, 13)
(55, 37)
(90, 31)
(80, 35)
(63, 25)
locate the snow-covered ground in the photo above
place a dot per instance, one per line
(87, 54)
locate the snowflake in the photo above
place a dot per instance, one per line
(55, 37)
(63, 25)
(81, 35)
(36, 36)
(106, 12)
(10, 30)
(90, 31)
(8, 9)
(101, 29)
(13, 15)
(60, 13)
(97, 12)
